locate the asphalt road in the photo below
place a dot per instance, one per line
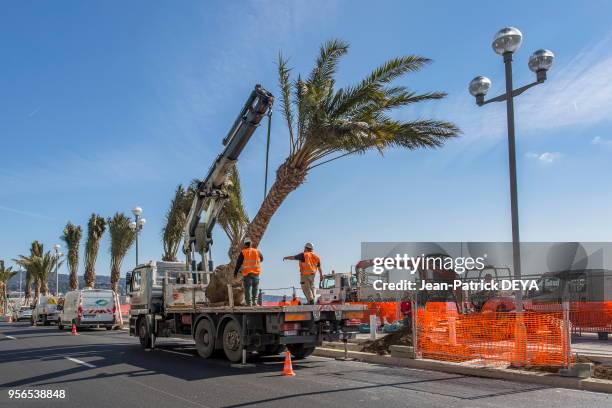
(102, 368)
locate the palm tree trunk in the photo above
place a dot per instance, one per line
(44, 288)
(28, 290)
(115, 276)
(74, 280)
(36, 290)
(288, 178)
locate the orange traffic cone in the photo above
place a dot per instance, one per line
(288, 368)
(73, 332)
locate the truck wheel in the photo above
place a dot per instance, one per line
(602, 336)
(45, 322)
(232, 341)
(109, 327)
(143, 333)
(299, 352)
(205, 338)
(60, 325)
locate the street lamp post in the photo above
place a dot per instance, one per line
(58, 255)
(505, 43)
(136, 226)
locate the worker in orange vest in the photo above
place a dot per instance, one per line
(249, 264)
(310, 263)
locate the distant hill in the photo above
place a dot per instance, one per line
(102, 282)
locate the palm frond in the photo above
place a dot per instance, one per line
(285, 86)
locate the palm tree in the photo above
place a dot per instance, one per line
(72, 238)
(95, 229)
(176, 218)
(44, 266)
(122, 237)
(325, 123)
(5, 275)
(39, 264)
(234, 221)
(233, 217)
(27, 262)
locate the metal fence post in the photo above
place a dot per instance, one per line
(415, 330)
(567, 336)
(373, 324)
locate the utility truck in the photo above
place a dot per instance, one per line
(168, 299)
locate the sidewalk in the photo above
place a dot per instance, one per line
(336, 350)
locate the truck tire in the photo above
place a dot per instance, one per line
(205, 338)
(143, 333)
(45, 322)
(602, 336)
(60, 325)
(232, 341)
(299, 352)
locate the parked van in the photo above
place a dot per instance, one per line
(45, 311)
(89, 308)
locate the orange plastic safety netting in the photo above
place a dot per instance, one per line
(387, 312)
(585, 317)
(528, 338)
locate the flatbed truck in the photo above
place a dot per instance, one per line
(165, 302)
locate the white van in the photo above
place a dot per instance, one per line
(45, 310)
(89, 308)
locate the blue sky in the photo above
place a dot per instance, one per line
(108, 105)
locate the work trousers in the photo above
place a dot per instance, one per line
(251, 287)
(307, 283)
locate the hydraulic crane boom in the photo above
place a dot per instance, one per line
(210, 196)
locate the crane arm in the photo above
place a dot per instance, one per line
(210, 195)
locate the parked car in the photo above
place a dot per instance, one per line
(89, 308)
(23, 313)
(45, 311)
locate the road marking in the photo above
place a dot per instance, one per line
(176, 352)
(166, 393)
(10, 337)
(75, 360)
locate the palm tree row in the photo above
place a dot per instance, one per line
(39, 264)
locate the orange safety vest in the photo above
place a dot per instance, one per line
(309, 266)
(250, 263)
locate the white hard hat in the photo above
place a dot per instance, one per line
(247, 241)
(308, 245)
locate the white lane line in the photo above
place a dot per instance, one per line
(166, 393)
(176, 352)
(80, 362)
(10, 337)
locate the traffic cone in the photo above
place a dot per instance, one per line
(73, 332)
(288, 368)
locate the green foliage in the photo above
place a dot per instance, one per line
(6, 273)
(95, 229)
(176, 218)
(122, 237)
(323, 120)
(233, 217)
(39, 265)
(72, 235)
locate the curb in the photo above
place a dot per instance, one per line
(590, 384)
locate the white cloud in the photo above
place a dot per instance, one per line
(597, 140)
(546, 157)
